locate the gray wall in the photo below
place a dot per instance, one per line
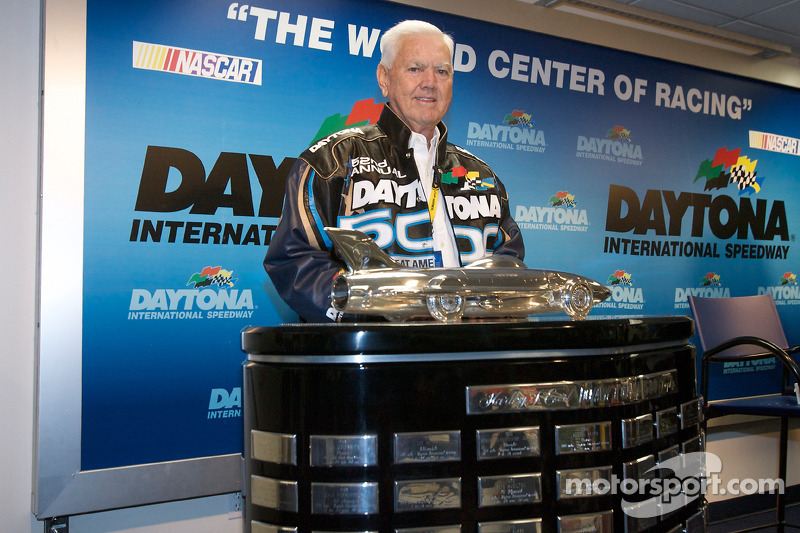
(19, 42)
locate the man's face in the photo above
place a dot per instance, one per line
(420, 83)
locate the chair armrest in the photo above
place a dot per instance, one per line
(772, 350)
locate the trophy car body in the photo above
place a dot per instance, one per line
(498, 286)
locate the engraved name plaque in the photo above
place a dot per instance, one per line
(316, 531)
(690, 413)
(427, 494)
(277, 448)
(509, 490)
(693, 445)
(587, 523)
(533, 525)
(579, 438)
(641, 468)
(658, 385)
(678, 501)
(637, 430)
(668, 453)
(427, 447)
(569, 394)
(507, 442)
(583, 482)
(697, 522)
(275, 494)
(344, 498)
(261, 527)
(430, 529)
(667, 422)
(341, 450)
(636, 525)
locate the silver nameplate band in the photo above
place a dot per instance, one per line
(277, 448)
(486, 399)
(344, 450)
(509, 490)
(580, 438)
(261, 527)
(667, 422)
(582, 482)
(587, 523)
(344, 498)
(430, 529)
(427, 494)
(429, 447)
(637, 430)
(507, 442)
(275, 494)
(690, 413)
(533, 525)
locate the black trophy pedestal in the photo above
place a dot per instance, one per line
(491, 427)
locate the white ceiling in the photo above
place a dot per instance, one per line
(773, 20)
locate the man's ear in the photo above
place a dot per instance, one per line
(383, 79)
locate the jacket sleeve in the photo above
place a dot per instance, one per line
(511, 236)
(298, 260)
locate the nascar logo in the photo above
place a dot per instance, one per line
(188, 62)
(774, 143)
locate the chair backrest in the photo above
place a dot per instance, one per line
(720, 319)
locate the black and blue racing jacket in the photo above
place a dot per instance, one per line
(365, 178)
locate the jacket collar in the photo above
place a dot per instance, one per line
(399, 133)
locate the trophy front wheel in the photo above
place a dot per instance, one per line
(446, 307)
(445, 304)
(577, 300)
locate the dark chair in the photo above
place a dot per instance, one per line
(746, 328)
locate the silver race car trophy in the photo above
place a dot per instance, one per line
(499, 286)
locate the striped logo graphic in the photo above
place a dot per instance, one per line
(223, 67)
(774, 143)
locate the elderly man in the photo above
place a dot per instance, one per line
(425, 201)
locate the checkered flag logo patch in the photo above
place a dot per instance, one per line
(473, 182)
(212, 276)
(223, 278)
(730, 167)
(563, 199)
(743, 178)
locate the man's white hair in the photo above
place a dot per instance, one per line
(391, 39)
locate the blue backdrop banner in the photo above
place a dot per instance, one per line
(658, 179)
